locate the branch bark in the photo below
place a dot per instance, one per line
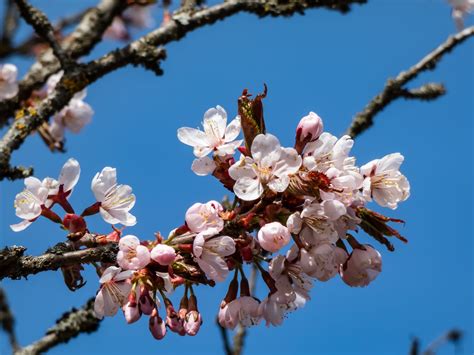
(394, 89)
(7, 321)
(15, 265)
(69, 326)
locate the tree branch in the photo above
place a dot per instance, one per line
(15, 265)
(7, 321)
(81, 41)
(39, 21)
(10, 25)
(394, 88)
(69, 326)
(141, 52)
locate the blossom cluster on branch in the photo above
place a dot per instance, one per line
(293, 218)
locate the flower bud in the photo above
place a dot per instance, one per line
(146, 302)
(163, 254)
(192, 323)
(74, 223)
(273, 236)
(157, 326)
(309, 129)
(362, 267)
(131, 312)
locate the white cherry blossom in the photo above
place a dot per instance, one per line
(114, 290)
(270, 165)
(8, 81)
(209, 253)
(73, 117)
(384, 182)
(322, 262)
(115, 200)
(217, 137)
(204, 218)
(29, 203)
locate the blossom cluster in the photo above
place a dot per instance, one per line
(461, 8)
(293, 219)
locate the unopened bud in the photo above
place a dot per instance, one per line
(163, 254)
(131, 312)
(157, 326)
(309, 129)
(74, 223)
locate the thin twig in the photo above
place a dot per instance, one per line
(7, 321)
(451, 336)
(69, 326)
(394, 89)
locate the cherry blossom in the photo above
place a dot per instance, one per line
(384, 182)
(30, 202)
(139, 16)
(117, 30)
(115, 200)
(132, 255)
(114, 290)
(209, 253)
(163, 254)
(8, 81)
(362, 267)
(273, 236)
(204, 218)
(156, 325)
(461, 8)
(328, 151)
(270, 166)
(216, 137)
(322, 262)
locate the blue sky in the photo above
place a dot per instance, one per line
(326, 62)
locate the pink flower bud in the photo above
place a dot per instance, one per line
(74, 223)
(309, 128)
(131, 312)
(163, 254)
(228, 315)
(157, 326)
(273, 236)
(362, 267)
(192, 323)
(146, 302)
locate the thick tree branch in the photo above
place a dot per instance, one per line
(15, 265)
(69, 326)
(394, 89)
(38, 20)
(7, 321)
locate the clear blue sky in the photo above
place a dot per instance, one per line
(325, 62)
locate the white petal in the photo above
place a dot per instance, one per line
(242, 168)
(20, 226)
(193, 137)
(70, 174)
(279, 184)
(248, 189)
(222, 246)
(233, 129)
(266, 149)
(214, 123)
(228, 148)
(390, 162)
(103, 182)
(289, 163)
(203, 166)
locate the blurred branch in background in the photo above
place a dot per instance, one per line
(395, 88)
(7, 321)
(453, 336)
(69, 326)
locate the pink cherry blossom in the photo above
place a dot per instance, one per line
(192, 323)
(270, 166)
(114, 291)
(273, 236)
(362, 267)
(204, 218)
(228, 315)
(209, 253)
(132, 255)
(322, 262)
(131, 312)
(163, 254)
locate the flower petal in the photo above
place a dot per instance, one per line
(248, 189)
(203, 166)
